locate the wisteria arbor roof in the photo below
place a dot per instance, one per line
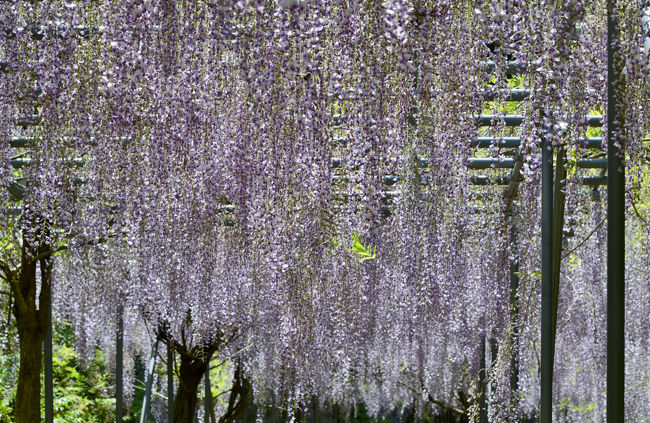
(302, 175)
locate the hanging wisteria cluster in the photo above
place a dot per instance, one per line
(287, 183)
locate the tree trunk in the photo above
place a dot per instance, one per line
(239, 393)
(190, 373)
(31, 323)
(28, 393)
(194, 364)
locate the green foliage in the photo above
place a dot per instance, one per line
(220, 383)
(139, 387)
(361, 416)
(8, 374)
(361, 250)
(81, 394)
(567, 405)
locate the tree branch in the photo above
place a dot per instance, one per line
(12, 278)
(49, 252)
(45, 298)
(584, 240)
(636, 211)
(447, 406)
(238, 396)
(437, 402)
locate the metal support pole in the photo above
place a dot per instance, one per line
(558, 230)
(615, 231)
(119, 365)
(146, 404)
(47, 366)
(546, 406)
(494, 350)
(207, 401)
(170, 383)
(514, 311)
(483, 417)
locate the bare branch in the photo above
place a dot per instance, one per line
(437, 402)
(584, 240)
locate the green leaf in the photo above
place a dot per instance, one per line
(364, 251)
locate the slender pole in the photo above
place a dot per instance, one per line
(494, 349)
(146, 404)
(207, 401)
(615, 231)
(546, 406)
(514, 310)
(483, 417)
(170, 383)
(47, 367)
(558, 231)
(119, 365)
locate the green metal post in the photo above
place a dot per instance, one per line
(170, 383)
(207, 401)
(47, 366)
(514, 310)
(146, 404)
(119, 365)
(615, 231)
(482, 381)
(546, 406)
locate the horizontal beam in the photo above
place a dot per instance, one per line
(594, 180)
(20, 163)
(24, 162)
(592, 163)
(16, 190)
(506, 95)
(505, 142)
(337, 162)
(512, 67)
(509, 120)
(388, 179)
(32, 120)
(489, 180)
(21, 142)
(487, 163)
(25, 142)
(226, 208)
(515, 142)
(594, 121)
(392, 179)
(505, 180)
(385, 195)
(37, 32)
(591, 142)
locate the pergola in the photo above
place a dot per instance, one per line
(552, 226)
